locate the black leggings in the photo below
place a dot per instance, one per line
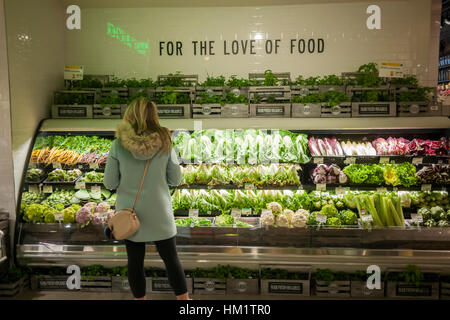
(168, 253)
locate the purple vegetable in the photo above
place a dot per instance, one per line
(321, 169)
(334, 170)
(331, 179)
(320, 178)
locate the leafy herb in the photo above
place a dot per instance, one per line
(214, 81)
(270, 79)
(236, 82)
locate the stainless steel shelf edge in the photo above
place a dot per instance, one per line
(73, 125)
(48, 254)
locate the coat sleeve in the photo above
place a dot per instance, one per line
(173, 171)
(111, 178)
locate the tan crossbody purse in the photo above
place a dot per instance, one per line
(125, 223)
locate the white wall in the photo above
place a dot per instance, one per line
(404, 37)
(36, 66)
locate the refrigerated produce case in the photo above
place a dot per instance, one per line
(345, 247)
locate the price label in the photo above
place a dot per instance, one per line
(426, 187)
(96, 189)
(33, 188)
(416, 160)
(318, 160)
(236, 213)
(93, 165)
(249, 186)
(80, 166)
(266, 211)
(59, 216)
(56, 165)
(382, 189)
(440, 161)
(321, 186)
(300, 187)
(366, 218)
(48, 189)
(415, 217)
(321, 218)
(80, 185)
(350, 160)
(341, 190)
(252, 161)
(246, 211)
(193, 213)
(384, 159)
(32, 165)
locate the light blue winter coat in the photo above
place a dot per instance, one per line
(123, 172)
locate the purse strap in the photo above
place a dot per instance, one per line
(142, 183)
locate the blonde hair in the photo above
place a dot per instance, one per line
(142, 115)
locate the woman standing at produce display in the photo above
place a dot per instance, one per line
(139, 138)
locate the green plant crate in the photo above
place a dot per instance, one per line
(96, 283)
(182, 79)
(210, 91)
(343, 110)
(120, 284)
(308, 110)
(15, 288)
(121, 92)
(270, 110)
(404, 290)
(359, 290)
(174, 111)
(257, 79)
(72, 111)
(374, 109)
(162, 285)
(219, 111)
(213, 286)
(109, 111)
(419, 109)
(335, 289)
(326, 88)
(303, 91)
(147, 91)
(283, 286)
(242, 286)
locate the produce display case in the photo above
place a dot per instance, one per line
(319, 244)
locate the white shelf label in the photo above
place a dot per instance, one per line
(56, 165)
(96, 189)
(33, 188)
(236, 213)
(350, 160)
(266, 211)
(426, 187)
(93, 165)
(366, 218)
(384, 159)
(321, 218)
(80, 185)
(416, 160)
(321, 187)
(48, 189)
(341, 190)
(59, 216)
(249, 186)
(318, 160)
(415, 217)
(193, 213)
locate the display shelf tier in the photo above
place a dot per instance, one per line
(107, 125)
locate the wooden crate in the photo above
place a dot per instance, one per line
(211, 91)
(209, 286)
(72, 111)
(343, 110)
(284, 78)
(359, 290)
(206, 110)
(236, 91)
(120, 92)
(97, 284)
(109, 111)
(286, 287)
(334, 289)
(119, 284)
(446, 110)
(190, 80)
(59, 283)
(13, 289)
(187, 90)
(403, 290)
(242, 286)
(311, 110)
(374, 109)
(162, 285)
(418, 109)
(445, 290)
(282, 93)
(352, 90)
(275, 110)
(303, 91)
(133, 92)
(326, 88)
(174, 111)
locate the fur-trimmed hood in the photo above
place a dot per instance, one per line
(143, 147)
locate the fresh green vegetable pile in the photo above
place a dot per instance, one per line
(60, 175)
(242, 146)
(224, 272)
(32, 197)
(62, 196)
(434, 217)
(390, 174)
(385, 209)
(79, 143)
(93, 176)
(260, 175)
(35, 175)
(191, 221)
(84, 195)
